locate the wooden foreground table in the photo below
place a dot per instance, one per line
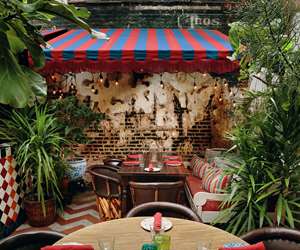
(128, 235)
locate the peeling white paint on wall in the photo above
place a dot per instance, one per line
(154, 106)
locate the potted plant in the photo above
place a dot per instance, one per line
(265, 187)
(37, 142)
(74, 118)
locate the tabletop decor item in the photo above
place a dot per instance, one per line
(152, 169)
(69, 247)
(131, 163)
(234, 244)
(107, 245)
(257, 246)
(149, 246)
(171, 157)
(163, 241)
(135, 156)
(204, 245)
(148, 222)
(173, 162)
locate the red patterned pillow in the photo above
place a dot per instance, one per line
(215, 180)
(199, 166)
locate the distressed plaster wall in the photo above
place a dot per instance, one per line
(188, 113)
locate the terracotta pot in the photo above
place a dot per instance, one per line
(35, 214)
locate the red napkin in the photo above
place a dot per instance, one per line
(171, 157)
(137, 156)
(150, 167)
(131, 162)
(157, 221)
(68, 247)
(257, 246)
(173, 162)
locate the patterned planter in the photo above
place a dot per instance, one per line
(77, 168)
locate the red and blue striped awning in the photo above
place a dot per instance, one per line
(140, 50)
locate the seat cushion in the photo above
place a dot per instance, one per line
(199, 166)
(215, 180)
(195, 186)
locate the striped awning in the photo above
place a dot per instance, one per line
(140, 50)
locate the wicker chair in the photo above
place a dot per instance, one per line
(275, 238)
(107, 186)
(30, 241)
(142, 192)
(113, 162)
(168, 209)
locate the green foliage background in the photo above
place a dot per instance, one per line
(19, 33)
(265, 190)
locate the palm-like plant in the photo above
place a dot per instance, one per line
(38, 145)
(265, 188)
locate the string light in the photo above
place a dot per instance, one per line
(195, 85)
(234, 104)
(101, 78)
(116, 82)
(220, 99)
(216, 86)
(93, 89)
(72, 86)
(226, 84)
(53, 77)
(161, 84)
(54, 92)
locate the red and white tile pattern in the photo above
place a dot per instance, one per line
(10, 195)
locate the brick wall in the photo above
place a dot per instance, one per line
(103, 145)
(177, 117)
(155, 14)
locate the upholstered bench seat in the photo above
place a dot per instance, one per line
(206, 203)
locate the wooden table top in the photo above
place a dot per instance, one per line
(166, 170)
(128, 235)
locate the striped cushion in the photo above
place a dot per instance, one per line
(199, 165)
(215, 181)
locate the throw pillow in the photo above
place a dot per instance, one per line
(199, 166)
(215, 180)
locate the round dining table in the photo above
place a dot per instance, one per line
(128, 234)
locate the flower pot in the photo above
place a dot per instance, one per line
(77, 168)
(35, 215)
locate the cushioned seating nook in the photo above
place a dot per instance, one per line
(204, 188)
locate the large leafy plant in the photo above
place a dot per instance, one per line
(35, 136)
(19, 84)
(265, 187)
(74, 117)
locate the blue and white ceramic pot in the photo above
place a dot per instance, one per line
(77, 168)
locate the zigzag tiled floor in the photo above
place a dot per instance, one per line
(80, 213)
